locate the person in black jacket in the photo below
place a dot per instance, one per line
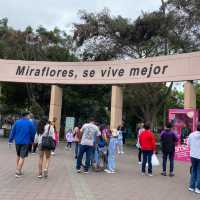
(168, 141)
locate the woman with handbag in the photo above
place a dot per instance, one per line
(45, 145)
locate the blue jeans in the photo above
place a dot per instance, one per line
(171, 160)
(147, 154)
(97, 159)
(120, 145)
(111, 153)
(195, 176)
(76, 149)
(92, 156)
(84, 149)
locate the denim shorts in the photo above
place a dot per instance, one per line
(22, 150)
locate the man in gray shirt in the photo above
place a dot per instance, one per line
(194, 142)
(89, 132)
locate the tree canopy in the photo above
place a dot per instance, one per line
(173, 28)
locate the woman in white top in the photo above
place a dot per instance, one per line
(44, 128)
(119, 141)
(141, 129)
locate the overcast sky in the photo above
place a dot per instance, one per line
(62, 13)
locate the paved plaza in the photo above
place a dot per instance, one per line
(65, 184)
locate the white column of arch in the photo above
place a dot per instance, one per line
(56, 105)
(189, 95)
(116, 107)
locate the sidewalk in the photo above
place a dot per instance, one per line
(65, 184)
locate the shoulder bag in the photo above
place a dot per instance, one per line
(48, 142)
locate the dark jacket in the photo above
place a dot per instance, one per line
(168, 141)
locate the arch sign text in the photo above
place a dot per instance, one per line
(157, 69)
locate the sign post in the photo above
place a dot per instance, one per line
(69, 123)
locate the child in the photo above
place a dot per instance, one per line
(120, 141)
(69, 138)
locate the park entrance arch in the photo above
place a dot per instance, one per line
(181, 67)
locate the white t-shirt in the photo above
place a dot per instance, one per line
(139, 132)
(194, 142)
(90, 131)
(47, 130)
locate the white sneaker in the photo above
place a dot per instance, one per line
(150, 174)
(40, 176)
(191, 189)
(197, 191)
(122, 152)
(139, 163)
(66, 148)
(107, 171)
(45, 173)
(118, 152)
(52, 153)
(113, 171)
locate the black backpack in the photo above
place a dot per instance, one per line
(101, 142)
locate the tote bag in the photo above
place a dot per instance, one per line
(154, 160)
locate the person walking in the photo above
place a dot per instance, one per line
(101, 151)
(120, 141)
(124, 133)
(23, 132)
(103, 144)
(148, 146)
(33, 146)
(89, 132)
(194, 143)
(168, 141)
(55, 135)
(112, 152)
(140, 130)
(45, 128)
(77, 139)
(69, 138)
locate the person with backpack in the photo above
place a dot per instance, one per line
(168, 141)
(101, 150)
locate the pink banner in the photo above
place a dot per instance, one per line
(184, 121)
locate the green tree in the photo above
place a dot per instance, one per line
(29, 45)
(104, 37)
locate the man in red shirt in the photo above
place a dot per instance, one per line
(148, 146)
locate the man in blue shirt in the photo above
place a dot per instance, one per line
(23, 133)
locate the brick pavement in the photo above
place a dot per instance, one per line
(64, 184)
